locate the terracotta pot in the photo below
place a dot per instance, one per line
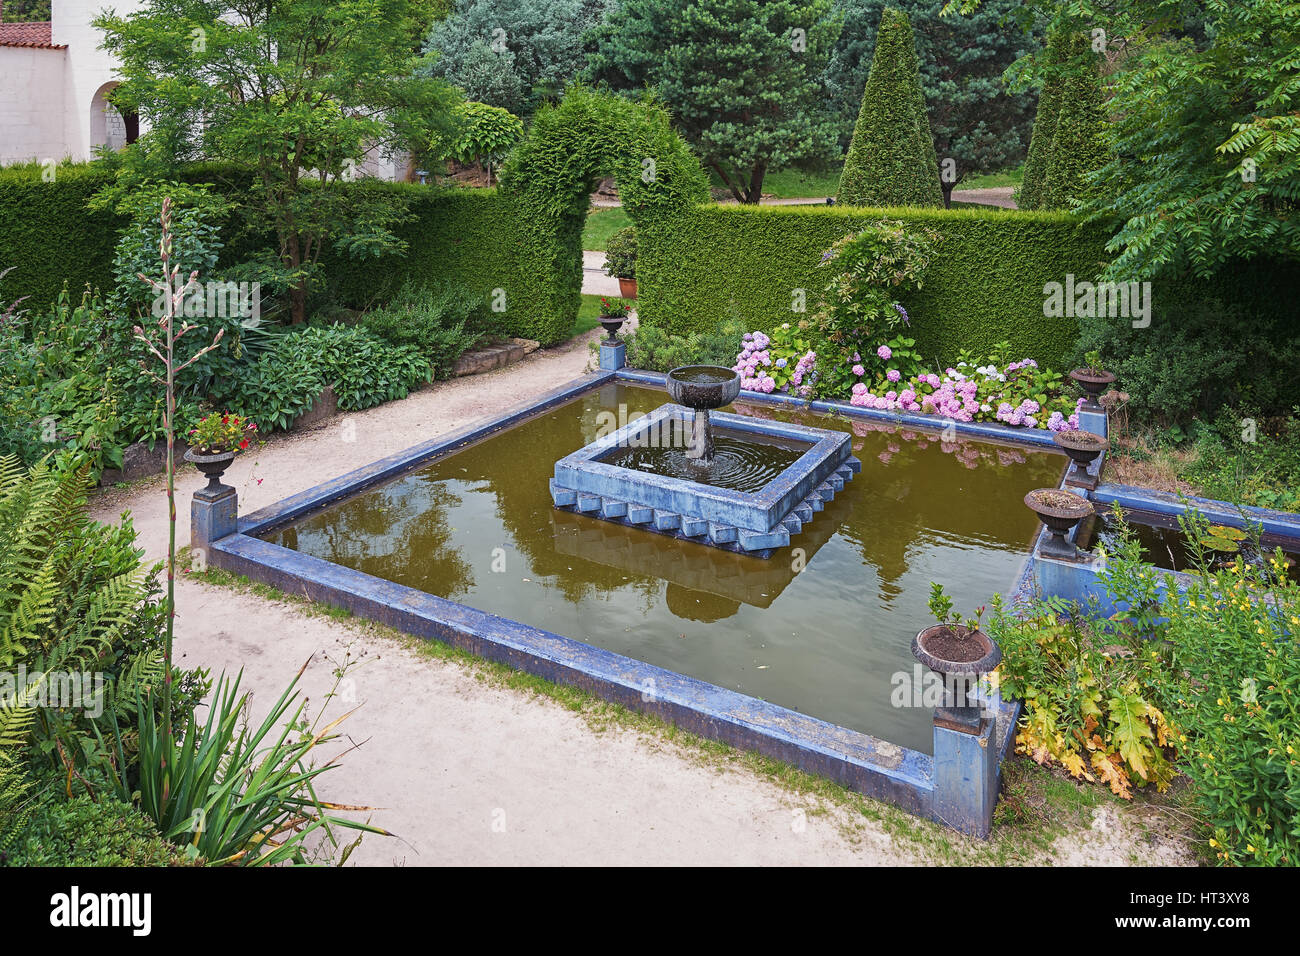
(213, 466)
(1060, 511)
(627, 288)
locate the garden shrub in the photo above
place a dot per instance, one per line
(441, 323)
(50, 237)
(1032, 187)
(655, 350)
(1207, 678)
(91, 832)
(891, 159)
(1249, 459)
(66, 387)
(363, 369)
(1220, 342)
(196, 247)
(620, 254)
(1235, 675)
(1078, 141)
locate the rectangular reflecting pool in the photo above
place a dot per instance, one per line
(820, 628)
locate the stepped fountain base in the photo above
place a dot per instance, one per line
(754, 521)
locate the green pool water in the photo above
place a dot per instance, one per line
(820, 627)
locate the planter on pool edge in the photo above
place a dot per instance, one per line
(1082, 447)
(1060, 511)
(935, 647)
(611, 324)
(213, 466)
(627, 288)
(1093, 382)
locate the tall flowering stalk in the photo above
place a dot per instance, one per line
(162, 343)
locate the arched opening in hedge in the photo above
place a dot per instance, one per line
(547, 183)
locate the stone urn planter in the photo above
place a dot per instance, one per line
(1060, 511)
(611, 324)
(1083, 448)
(960, 655)
(1093, 382)
(627, 288)
(212, 465)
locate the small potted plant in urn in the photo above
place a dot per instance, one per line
(620, 260)
(960, 653)
(215, 441)
(613, 313)
(1093, 378)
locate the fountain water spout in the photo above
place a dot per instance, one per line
(701, 388)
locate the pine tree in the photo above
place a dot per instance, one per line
(1078, 143)
(1033, 189)
(741, 77)
(891, 160)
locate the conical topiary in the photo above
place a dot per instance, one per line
(1049, 108)
(1078, 144)
(891, 160)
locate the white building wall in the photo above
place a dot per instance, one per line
(32, 101)
(52, 100)
(89, 68)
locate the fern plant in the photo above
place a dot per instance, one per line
(70, 595)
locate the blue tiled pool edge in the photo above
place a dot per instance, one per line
(945, 790)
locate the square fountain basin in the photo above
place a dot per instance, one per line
(754, 523)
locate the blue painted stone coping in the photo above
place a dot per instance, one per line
(861, 762)
(1284, 524)
(752, 522)
(1033, 437)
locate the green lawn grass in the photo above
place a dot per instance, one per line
(794, 184)
(601, 224)
(588, 315)
(1007, 177)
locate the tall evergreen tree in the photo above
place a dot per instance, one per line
(891, 160)
(1033, 188)
(978, 121)
(1078, 143)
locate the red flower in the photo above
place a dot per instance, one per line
(243, 444)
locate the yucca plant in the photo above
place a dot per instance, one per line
(234, 795)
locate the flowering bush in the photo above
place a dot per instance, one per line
(222, 432)
(614, 308)
(780, 362)
(1018, 393)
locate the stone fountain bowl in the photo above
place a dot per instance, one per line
(703, 386)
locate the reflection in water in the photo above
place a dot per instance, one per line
(820, 627)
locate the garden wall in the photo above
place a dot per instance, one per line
(984, 286)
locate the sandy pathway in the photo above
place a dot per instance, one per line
(470, 772)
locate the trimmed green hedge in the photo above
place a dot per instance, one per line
(465, 235)
(714, 263)
(48, 235)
